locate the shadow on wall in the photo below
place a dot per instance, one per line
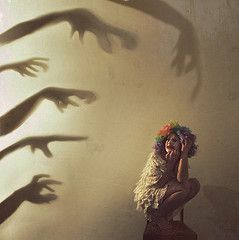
(80, 20)
(39, 142)
(187, 44)
(31, 193)
(60, 96)
(27, 67)
(226, 209)
(233, 52)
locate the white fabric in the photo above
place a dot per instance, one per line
(146, 193)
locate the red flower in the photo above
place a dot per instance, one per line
(165, 130)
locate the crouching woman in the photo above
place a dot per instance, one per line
(165, 186)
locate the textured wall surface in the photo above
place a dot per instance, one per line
(138, 90)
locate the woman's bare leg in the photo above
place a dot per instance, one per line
(177, 194)
(195, 187)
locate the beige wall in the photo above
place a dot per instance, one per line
(138, 93)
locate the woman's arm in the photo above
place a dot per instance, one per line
(182, 174)
(169, 172)
(166, 177)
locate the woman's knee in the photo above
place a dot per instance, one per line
(190, 188)
(185, 188)
(195, 185)
(175, 186)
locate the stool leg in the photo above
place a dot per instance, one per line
(182, 215)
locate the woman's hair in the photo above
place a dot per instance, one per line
(180, 131)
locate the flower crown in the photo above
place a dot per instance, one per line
(172, 127)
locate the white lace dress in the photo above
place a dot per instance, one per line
(147, 194)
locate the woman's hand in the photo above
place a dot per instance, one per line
(173, 157)
(186, 145)
(60, 96)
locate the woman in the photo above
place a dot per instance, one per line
(164, 186)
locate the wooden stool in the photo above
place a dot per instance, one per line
(178, 231)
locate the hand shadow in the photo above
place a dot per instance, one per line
(39, 142)
(225, 203)
(59, 96)
(80, 20)
(31, 193)
(28, 67)
(232, 66)
(187, 56)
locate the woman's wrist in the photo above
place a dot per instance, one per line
(184, 155)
